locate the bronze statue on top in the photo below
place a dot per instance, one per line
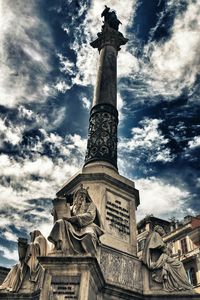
(110, 18)
(109, 34)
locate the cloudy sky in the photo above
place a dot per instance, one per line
(47, 75)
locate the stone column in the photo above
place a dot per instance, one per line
(102, 137)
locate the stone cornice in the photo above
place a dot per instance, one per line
(100, 177)
(109, 37)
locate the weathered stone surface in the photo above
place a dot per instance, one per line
(74, 277)
(102, 134)
(118, 218)
(121, 269)
(173, 296)
(163, 269)
(106, 85)
(23, 296)
(76, 231)
(26, 276)
(65, 286)
(109, 36)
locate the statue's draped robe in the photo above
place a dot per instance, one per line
(165, 269)
(82, 236)
(37, 247)
(14, 279)
(29, 268)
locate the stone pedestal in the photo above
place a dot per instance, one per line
(116, 199)
(112, 275)
(73, 277)
(20, 296)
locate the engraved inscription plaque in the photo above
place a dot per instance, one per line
(65, 287)
(117, 216)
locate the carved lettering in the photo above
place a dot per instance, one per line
(65, 287)
(118, 217)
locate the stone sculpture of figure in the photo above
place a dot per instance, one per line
(27, 273)
(79, 233)
(165, 269)
(14, 279)
(37, 247)
(110, 18)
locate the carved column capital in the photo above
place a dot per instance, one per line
(109, 37)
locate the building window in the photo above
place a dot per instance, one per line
(184, 246)
(192, 276)
(141, 245)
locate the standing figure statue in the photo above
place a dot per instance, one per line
(78, 233)
(169, 271)
(110, 18)
(27, 274)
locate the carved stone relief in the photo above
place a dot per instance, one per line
(121, 270)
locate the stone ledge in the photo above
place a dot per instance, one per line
(120, 293)
(172, 296)
(51, 262)
(15, 296)
(100, 176)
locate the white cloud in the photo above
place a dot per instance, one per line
(10, 236)
(127, 63)
(9, 254)
(120, 106)
(87, 58)
(174, 64)
(38, 177)
(161, 199)
(195, 142)
(50, 172)
(62, 86)
(10, 133)
(66, 66)
(86, 103)
(22, 61)
(77, 142)
(148, 139)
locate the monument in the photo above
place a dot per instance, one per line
(93, 236)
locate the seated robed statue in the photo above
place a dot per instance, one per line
(27, 274)
(169, 271)
(77, 228)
